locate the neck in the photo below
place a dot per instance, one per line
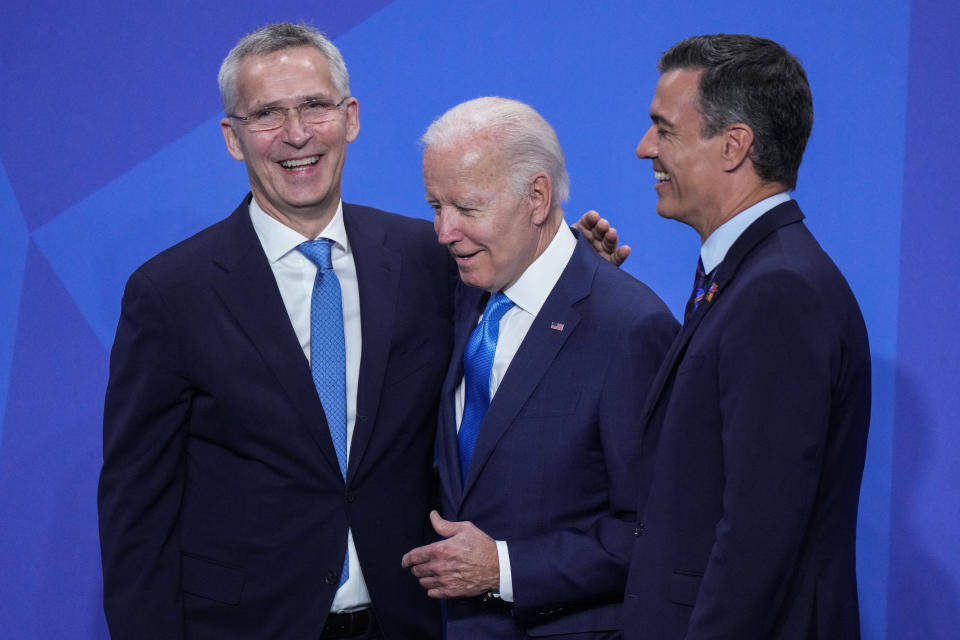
(739, 201)
(548, 232)
(308, 222)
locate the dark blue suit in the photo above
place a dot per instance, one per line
(223, 513)
(754, 443)
(554, 471)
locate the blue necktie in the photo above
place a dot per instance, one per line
(477, 363)
(328, 351)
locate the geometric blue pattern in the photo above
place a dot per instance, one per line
(138, 163)
(13, 255)
(181, 189)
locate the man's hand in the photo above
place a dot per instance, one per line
(602, 237)
(463, 565)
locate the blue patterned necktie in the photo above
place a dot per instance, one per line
(477, 363)
(328, 351)
(700, 282)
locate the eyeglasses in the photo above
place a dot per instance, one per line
(273, 117)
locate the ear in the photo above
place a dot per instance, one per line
(353, 119)
(540, 195)
(737, 141)
(230, 137)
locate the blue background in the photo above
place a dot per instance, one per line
(110, 150)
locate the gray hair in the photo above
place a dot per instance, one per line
(528, 141)
(757, 82)
(276, 37)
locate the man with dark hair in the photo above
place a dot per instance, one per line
(756, 425)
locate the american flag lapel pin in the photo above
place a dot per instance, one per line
(556, 326)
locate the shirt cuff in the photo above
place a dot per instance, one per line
(506, 578)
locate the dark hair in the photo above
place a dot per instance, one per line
(757, 82)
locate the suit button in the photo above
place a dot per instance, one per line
(638, 530)
(331, 578)
(350, 496)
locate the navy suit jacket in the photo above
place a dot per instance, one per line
(223, 513)
(554, 471)
(754, 443)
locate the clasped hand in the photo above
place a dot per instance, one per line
(463, 565)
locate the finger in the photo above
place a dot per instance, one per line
(601, 228)
(416, 556)
(609, 240)
(443, 527)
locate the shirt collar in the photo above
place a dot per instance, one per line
(715, 248)
(278, 239)
(534, 285)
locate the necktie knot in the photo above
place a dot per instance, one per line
(318, 252)
(497, 305)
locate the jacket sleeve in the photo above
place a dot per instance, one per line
(141, 482)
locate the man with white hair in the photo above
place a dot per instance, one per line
(554, 348)
(270, 415)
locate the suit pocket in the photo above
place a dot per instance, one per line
(595, 622)
(210, 580)
(683, 587)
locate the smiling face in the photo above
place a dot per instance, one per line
(689, 168)
(294, 170)
(493, 234)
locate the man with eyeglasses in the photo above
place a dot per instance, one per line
(270, 414)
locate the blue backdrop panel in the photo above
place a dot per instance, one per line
(48, 468)
(13, 254)
(924, 554)
(111, 151)
(110, 83)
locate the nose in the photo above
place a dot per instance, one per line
(295, 131)
(647, 147)
(444, 224)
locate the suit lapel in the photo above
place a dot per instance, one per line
(781, 215)
(249, 290)
(378, 275)
(534, 357)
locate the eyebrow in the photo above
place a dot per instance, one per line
(660, 120)
(301, 100)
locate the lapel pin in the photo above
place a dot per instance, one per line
(712, 292)
(556, 326)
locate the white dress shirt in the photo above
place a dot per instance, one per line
(528, 294)
(295, 275)
(714, 248)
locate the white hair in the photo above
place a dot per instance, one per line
(277, 37)
(528, 142)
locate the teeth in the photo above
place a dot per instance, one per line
(661, 175)
(302, 162)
